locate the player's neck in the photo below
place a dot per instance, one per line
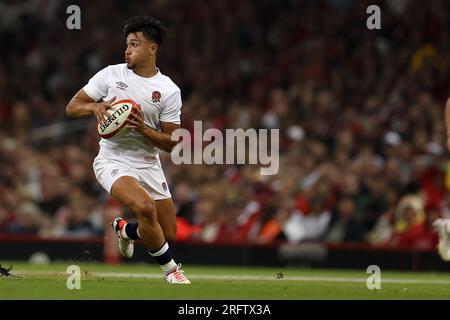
(146, 71)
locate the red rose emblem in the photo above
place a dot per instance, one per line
(156, 96)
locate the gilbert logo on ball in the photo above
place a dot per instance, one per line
(118, 114)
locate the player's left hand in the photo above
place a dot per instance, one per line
(136, 121)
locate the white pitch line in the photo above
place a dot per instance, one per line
(238, 277)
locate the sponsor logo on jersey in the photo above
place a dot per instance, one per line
(121, 85)
(151, 159)
(164, 185)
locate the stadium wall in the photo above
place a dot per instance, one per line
(311, 255)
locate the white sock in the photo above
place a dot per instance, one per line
(164, 253)
(169, 266)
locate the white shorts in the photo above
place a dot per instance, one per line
(151, 178)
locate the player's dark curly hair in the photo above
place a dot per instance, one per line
(152, 28)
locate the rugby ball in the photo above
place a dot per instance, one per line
(118, 114)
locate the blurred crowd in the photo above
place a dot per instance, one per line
(360, 113)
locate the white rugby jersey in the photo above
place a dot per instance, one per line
(160, 100)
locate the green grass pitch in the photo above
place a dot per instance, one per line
(140, 281)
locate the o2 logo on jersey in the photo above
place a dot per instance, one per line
(156, 96)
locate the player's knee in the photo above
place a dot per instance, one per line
(149, 211)
(145, 209)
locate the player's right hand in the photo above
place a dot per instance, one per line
(100, 108)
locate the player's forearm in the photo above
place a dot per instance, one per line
(159, 139)
(79, 108)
